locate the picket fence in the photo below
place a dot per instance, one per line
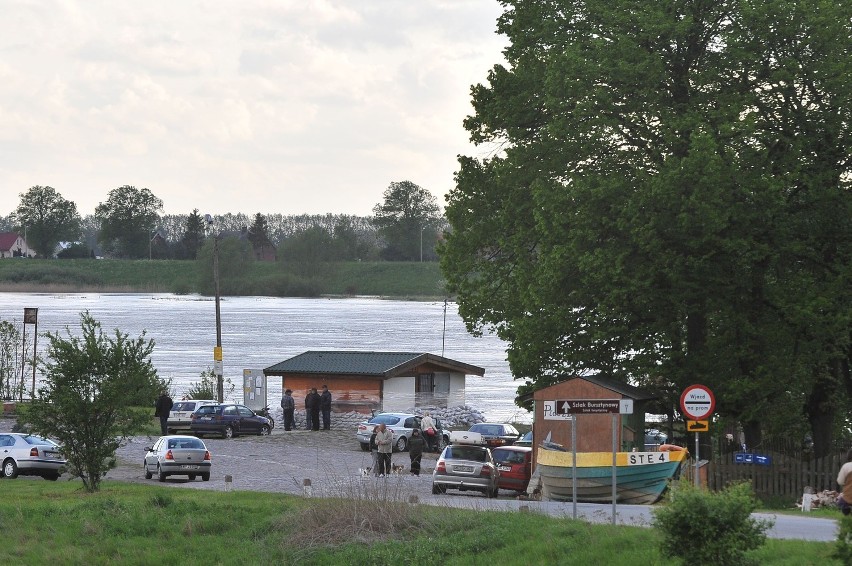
(785, 476)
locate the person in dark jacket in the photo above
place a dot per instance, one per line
(416, 444)
(374, 450)
(162, 409)
(289, 406)
(315, 408)
(325, 406)
(309, 399)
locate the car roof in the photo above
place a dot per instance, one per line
(513, 448)
(180, 436)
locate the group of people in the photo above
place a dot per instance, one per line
(316, 404)
(381, 446)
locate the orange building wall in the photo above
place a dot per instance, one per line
(354, 393)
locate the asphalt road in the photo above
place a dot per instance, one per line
(333, 463)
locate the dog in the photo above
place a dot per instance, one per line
(397, 469)
(364, 472)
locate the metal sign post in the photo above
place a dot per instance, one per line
(30, 317)
(574, 464)
(697, 402)
(614, 451)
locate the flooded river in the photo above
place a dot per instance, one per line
(258, 332)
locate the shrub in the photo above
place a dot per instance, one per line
(702, 527)
(204, 389)
(843, 546)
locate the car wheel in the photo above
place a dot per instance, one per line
(264, 430)
(10, 469)
(160, 475)
(365, 446)
(148, 474)
(228, 432)
(438, 489)
(205, 477)
(402, 444)
(191, 477)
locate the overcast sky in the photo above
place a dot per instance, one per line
(271, 106)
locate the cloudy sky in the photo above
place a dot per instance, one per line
(271, 106)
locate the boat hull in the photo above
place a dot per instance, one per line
(641, 478)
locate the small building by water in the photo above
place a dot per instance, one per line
(376, 381)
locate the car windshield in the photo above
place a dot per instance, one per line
(503, 456)
(207, 409)
(184, 406)
(465, 453)
(490, 430)
(39, 441)
(384, 419)
(185, 443)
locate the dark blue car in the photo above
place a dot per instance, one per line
(228, 420)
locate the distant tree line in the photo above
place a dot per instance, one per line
(129, 224)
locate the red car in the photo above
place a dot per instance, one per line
(515, 465)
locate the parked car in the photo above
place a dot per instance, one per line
(176, 455)
(228, 420)
(654, 438)
(30, 455)
(401, 424)
(180, 417)
(466, 467)
(515, 465)
(524, 440)
(496, 434)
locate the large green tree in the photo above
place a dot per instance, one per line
(671, 203)
(48, 219)
(92, 384)
(194, 234)
(128, 219)
(258, 235)
(407, 220)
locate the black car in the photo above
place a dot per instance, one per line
(496, 434)
(229, 420)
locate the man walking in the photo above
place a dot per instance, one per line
(325, 406)
(384, 441)
(289, 406)
(162, 409)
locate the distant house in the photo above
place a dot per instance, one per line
(385, 381)
(13, 244)
(265, 252)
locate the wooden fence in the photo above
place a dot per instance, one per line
(784, 476)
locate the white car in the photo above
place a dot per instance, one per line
(181, 413)
(30, 455)
(176, 455)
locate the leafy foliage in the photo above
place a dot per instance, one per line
(48, 219)
(670, 203)
(843, 546)
(403, 218)
(10, 338)
(128, 218)
(258, 235)
(91, 385)
(193, 235)
(703, 527)
(204, 389)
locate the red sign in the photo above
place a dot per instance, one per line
(697, 402)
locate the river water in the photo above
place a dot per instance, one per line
(258, 332)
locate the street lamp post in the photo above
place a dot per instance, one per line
(217, 352)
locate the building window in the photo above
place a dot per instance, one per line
(425, 383)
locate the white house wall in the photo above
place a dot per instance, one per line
(456, 398)
(398, 394)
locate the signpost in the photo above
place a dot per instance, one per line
(697, 403)
(30, 317)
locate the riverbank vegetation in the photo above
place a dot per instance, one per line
(393, 279)
(120, 522)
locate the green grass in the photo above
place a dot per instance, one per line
(44, 522)
(389, 279)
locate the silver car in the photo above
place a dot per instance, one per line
(177, 456)
(401, 425)
(466, 467)
(30, 455)
(180, 417)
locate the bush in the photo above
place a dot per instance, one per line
(702, 527)
(843, 546)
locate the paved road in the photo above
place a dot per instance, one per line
(333, 461)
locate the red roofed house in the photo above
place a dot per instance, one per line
(13, 245)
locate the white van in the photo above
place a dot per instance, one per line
(181, 413)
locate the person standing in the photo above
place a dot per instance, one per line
(325, 406)
(844, 480)
(315, 409)
(309, 399)
(384, 446)
(374, 450)
(289, 406)
(430, 429)
(162, 409)
(415, 450)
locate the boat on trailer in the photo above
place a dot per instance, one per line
(641, 477)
